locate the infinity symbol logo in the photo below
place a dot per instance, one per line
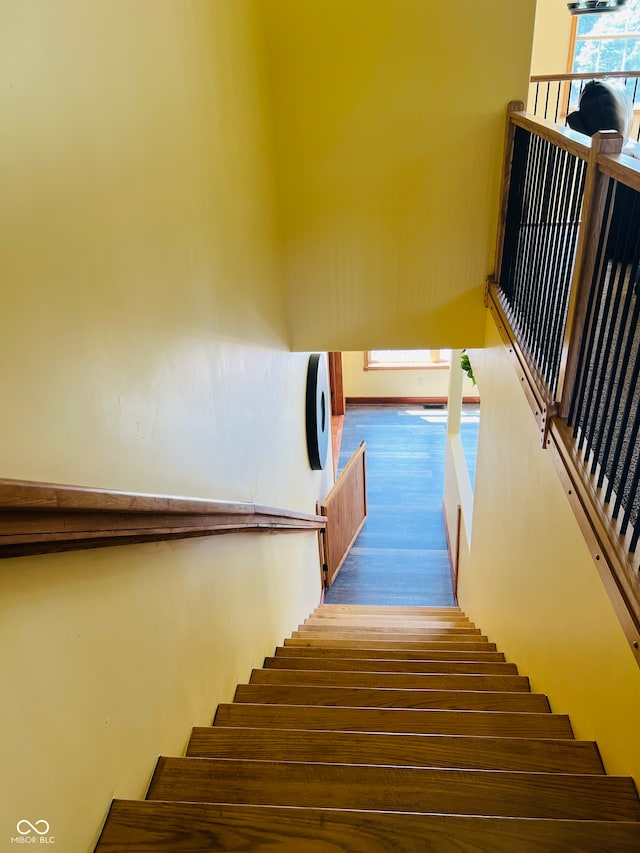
(32, 827)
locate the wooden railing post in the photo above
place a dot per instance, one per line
(513, 106)
(607, 142)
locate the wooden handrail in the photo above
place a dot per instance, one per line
(622, 168)
(563, 137)
(589, 75)
(37, 518)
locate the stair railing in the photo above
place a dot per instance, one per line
(37, 518)
(566, 299)
(554, 96)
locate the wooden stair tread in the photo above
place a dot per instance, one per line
(373, 643)
(338, 651)
(364, 697)
(399, 680)
(199, 828)
(486, 753)
(409, 613)
(392, 630)
(443, 791)
(392, 609)
(479, 723)
(384, 622)
(339, 664)
(408, 727)
(399, 637)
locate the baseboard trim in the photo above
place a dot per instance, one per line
(405, 401)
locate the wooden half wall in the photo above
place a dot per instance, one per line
(345, 508)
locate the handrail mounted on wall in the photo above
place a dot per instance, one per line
(37, 518)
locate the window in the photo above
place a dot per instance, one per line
(607, 42)
(411, 359)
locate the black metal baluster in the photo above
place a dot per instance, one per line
(611, 302)
(523, 270)
(545, 240)
(611, 384)
(629, 493)
(554, 282)
(557, 111)
(546, 101)
(622, 352)
(514, 213)
(558, 309)
(599, 324)
(579, 395)
(536, 270)
(567, 264)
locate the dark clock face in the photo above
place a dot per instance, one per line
(317, 411)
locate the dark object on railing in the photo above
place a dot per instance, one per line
(605, 406)
(37, 518)
(555, 95)
(541, 232)
(603, 106)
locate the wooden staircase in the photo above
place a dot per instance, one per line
(382, 728)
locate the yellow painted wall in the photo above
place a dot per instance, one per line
(143, 347)
(551, 38)
(389, 127)
(358, 382)
(530, 581)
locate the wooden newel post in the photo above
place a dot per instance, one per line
(512, 107)
(605, 142)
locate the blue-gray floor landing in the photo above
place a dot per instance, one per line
(401, 556)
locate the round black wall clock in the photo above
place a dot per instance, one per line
(318, 411)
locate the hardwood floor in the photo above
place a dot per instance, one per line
(401, 556)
